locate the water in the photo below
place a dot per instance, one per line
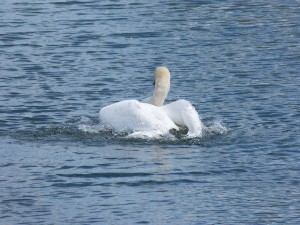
(237, 62)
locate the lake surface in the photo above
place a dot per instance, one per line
(237, 62)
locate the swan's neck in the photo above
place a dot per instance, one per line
(160, 94)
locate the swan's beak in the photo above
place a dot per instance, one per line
(153, 83)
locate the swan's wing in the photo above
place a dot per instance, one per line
(118, 116)
(132, 115)
(183, 113)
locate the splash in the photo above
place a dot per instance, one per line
(211, 128)
(91, 131)
(214, 127)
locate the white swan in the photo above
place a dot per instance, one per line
(151, 118)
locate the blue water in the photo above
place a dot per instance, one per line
(237, 62)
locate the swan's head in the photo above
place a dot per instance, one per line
(162, 85)
(162, 76)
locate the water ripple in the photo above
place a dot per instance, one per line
(237, 62)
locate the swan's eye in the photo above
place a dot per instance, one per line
(153, 83)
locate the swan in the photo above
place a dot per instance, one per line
(150, 117)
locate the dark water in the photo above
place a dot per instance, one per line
(238, 62)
